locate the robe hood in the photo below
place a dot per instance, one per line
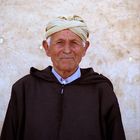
(88, 76)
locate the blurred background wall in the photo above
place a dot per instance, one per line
(114, 51)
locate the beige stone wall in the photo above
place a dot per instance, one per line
(114, 51)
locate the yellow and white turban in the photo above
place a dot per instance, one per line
(76, 24)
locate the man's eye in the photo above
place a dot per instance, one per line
(76, 43)
(59, 42)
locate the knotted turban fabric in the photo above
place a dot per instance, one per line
(75, 23)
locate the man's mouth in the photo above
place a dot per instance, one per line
(66, 58)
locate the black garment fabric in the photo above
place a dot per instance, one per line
(41, 108)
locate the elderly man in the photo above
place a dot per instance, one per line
(63, 101)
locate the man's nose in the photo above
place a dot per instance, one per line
(67, 49)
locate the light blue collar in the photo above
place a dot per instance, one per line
(73, 77)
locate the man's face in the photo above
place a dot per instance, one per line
(66, 50)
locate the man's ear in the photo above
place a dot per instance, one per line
(46, 47)
(86, 47)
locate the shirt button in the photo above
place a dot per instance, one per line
(64, 82)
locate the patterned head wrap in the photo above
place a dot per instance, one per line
(75, 23)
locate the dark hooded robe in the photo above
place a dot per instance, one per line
(41, 108)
